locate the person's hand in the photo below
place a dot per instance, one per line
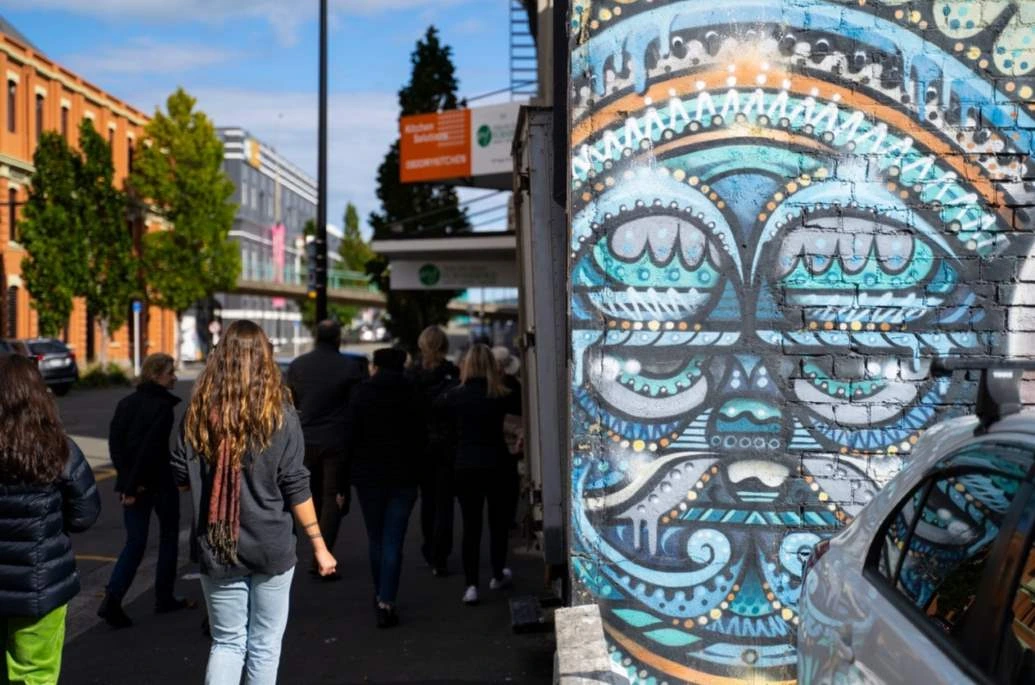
(127, 500)
(325, 562)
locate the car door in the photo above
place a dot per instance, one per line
(935, 566)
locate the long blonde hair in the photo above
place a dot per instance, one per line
(479, 363)
(239, 398)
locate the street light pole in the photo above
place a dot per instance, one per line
(321, 176)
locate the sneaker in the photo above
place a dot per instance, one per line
(471, 595)
(111, 611)
(505, 581)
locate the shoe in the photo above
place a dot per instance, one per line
(504, 582)
(111, 611)
(175, 604)
(471, 595)
(386, 616)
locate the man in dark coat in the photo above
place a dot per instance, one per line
(321, 382)
(138, 440)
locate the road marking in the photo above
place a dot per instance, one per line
(95, 557)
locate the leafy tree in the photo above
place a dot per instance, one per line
(52, 233)
(417, 209)
(179, 173)
(111, 266)
(355, 251)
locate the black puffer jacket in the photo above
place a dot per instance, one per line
(139, 438)
(37, 567)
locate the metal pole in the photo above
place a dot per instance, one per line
(321, 179)
(136, 339)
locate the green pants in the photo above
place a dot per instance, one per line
(33, 648)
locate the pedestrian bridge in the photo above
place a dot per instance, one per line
(351, 288)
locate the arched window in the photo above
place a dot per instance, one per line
(12, 312)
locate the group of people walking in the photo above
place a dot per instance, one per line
(263, 455)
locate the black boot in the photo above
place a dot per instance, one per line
(386, 617)
(111, 611)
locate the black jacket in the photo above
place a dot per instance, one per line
(37, 567)
(431, 383)
(386, 432)
(321, 382)
(479, 424)
(272, 481)
(138, 438)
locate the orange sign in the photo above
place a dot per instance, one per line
(435, 146)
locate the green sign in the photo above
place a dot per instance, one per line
(429, 274)
(484, 135)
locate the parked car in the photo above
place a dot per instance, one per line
(56, 363)
(8, 346)
(934, 581)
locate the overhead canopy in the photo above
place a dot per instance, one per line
(472, 260)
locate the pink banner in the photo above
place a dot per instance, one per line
(279, 236)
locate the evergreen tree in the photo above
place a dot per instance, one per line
(417, 209)
(355, 252)
(109, 255)
(52, 233)
(179, 173)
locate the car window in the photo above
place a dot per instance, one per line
(47, 347)
(1019, 652)
(937, 542)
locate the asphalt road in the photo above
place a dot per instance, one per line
(331, 636)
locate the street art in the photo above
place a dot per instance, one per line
(781, 213)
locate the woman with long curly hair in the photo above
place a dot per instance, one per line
(240, 453)
(47, 491)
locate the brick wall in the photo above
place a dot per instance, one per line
(781, 213)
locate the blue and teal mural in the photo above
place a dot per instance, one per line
(781, 213)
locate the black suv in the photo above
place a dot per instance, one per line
(56, 363)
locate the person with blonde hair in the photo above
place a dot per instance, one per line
(434, 375)
(47, 491)
(483, 467)
(138, 441)
(240, 453)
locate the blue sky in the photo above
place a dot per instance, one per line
(253, 63)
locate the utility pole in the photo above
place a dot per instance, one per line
(321, 177)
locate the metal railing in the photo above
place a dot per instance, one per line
(337, 279)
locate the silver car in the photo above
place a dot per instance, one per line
(934, 581)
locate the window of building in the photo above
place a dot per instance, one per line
(12, 214)
(12, 105)
(111, 138)
(12, 312)
(39, 115)
(129, 155)
(64, 122)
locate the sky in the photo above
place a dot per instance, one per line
(253, 64)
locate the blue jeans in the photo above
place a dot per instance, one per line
(386, 513)
(165, 502)
(247, 616)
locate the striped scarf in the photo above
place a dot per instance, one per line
(224, 507)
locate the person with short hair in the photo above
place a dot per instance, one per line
(483, 467)
(47, 491)
(240, 454)
(321, 382)
(434, 375)
(386, 437)
(138, 441)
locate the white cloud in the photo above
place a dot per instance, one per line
(283, 16)
(469, 27)
(144, 55)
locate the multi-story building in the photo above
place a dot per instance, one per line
(40, 95)
(275, 200)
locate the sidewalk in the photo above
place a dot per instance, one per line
(331, 636)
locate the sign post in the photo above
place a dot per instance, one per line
(137, 307)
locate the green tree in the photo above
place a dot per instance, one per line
(355, 252)
(111, 265)
(52, 233)
(179, 173)
(417, 209)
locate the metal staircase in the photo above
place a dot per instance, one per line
(523, 69)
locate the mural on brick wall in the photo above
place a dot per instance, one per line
(781, 213)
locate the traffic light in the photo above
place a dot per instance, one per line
(312, 270)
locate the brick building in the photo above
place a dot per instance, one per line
(40, 95)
